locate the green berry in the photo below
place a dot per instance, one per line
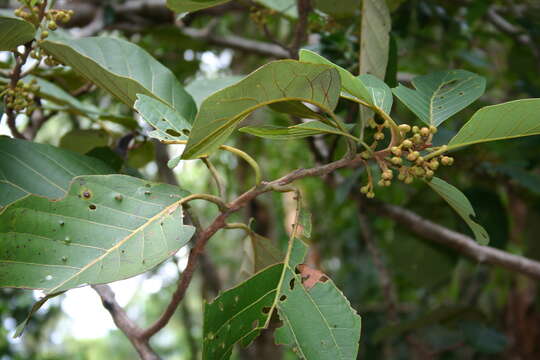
(447, 160)
(404, 128)
(413, 155)
(387, 174)
(370, 195)
(52, 25)
(415, 129)
(433, 129)
(425, 132)
(395, 150)
(378, 136)
(407, 144)
(396, 160)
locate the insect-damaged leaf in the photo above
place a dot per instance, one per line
(14, 31)
(498, 122)
(284, 80)
(169, 124)
(40, 169)
(122, 68)
(439, 95)
(317, 319)
(107, 228)
(461, 205)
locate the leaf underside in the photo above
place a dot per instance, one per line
(310, 128)
(122, 68)
(106, 228)
(439, 95)
(278, 81)
(14, 32)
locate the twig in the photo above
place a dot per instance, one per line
(124, 323)
(301, 32)
(215, 176)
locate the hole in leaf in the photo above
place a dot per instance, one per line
(173, 132)
(148, 185)
(461, 93)
(291, 284)
(266, 309)
(92, 207)
(283, 298)
(186, 132)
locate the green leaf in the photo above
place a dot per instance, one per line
(122, 68)
(461, 205)
(265, 253)
(317, 319)
(169, 124)
(284, 80)
(296, 108)
(201, 88)
(82, 141)
(381, 93)
(14, 32)
(106, 228)
(439, 95)
(498, 122)
(239, 314)
(310, 128)
(44, 170)
(374, 38)
(318, 322)
(181, 6)
(349, 83)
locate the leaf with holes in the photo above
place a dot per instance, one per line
(349, 83)
(439, 95)
(317, 319)
(106, 228)
(14, 32)
(122, 68)
(278, 81)
(310, 128)
(461, 205)
(169, 124)
(499, 122)
(44, 170)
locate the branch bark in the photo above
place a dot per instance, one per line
(459, 242)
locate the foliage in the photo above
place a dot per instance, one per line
(98, 123)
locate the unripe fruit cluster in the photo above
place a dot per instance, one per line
(21, 97)
(33, 15)
(407, 158)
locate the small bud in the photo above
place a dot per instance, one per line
(370, 195)
(387, 183)
(413, 155)
(417, 139)
(433, 129)
(409, 179)
(418, 171)
(52, 25)
(447, 160)
(395, 150)
(433, 164)
(378, 136)
(387, 174)
(429, 173)
(364, 189)
(420, 160)
(396, 160)
(407, 144)
(425, 132)
(415, 129)
(365, 155)
(44, 34)
(404, 128)
(401, 176)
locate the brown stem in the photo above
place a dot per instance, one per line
(301, 32)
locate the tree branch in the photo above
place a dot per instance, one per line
(124, 323)
(459, 242)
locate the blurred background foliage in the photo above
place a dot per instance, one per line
(448, 306)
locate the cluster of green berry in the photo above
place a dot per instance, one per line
(21, 98)
(406, 158)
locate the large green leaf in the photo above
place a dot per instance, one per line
(201, 88)
(122, 68)
(14, 32)
(44, 170)
(284, 80)
(439, 95)
(310, 128)
(317, 319)
(498, 122)
(461, 205)
(351, 84)
(106, 228)
(169, 124)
